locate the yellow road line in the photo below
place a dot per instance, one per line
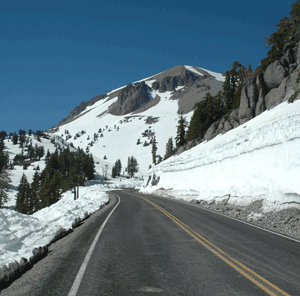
(244, 270)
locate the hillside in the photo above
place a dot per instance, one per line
(122, 122)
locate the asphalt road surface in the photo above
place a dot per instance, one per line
(155, 246)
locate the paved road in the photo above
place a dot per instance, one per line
(155, 246)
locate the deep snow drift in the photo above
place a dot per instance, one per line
(258, 160)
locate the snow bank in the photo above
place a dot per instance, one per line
(258, 160)
(24, 237)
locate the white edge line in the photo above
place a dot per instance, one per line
(78, 279)
(259, 227)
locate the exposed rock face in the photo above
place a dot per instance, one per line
(170, 83)
(78, 109)
(274, 74)
(136, 97)
(131, 98)
(264, 91)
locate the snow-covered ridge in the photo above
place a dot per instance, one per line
(258, 160)
(218, 76)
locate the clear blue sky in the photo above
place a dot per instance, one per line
(56, 54)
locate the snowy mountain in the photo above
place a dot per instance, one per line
(122, 122)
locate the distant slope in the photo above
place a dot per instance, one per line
(110, 126)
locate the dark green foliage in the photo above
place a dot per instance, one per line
(154, 149)
(34, 201)
(5, 183)
(22, 140)
(180, 135)
(118, 167)
(50, 191)
(15, 138)
(232, 86)
(23, 196)
(3, 156)
(64, 170)
(132, 166)
(286, 37)
(169, 149)
(3, 134)
(214, 108)
(113, 172)
(205, 113)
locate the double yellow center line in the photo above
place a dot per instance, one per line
(259, 281)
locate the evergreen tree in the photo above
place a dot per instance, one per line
(3, 135)
(169, 148)
(118, 166)
(114, 172)
(154, 149)
(34, 188)
(180, 136)
(205, 114)
(5, 183)
(132, 166)
(286, 37)
(23, 196)
(249, 70)
(22, 139)
(15, 138)
(233, 85)
(44, 190)
(3, 157)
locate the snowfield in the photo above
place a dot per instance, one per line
(258, 160)
(119, 134)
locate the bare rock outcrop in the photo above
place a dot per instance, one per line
(263, 91)
(131, 98)
(274, 75)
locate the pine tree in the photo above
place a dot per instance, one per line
(44, 190)
(169, 148)
(132, 166)
(113, 172)
(205, 114)
(180, 136)
(23, 195)
(34, 188)
(286, 37)
(15, 138)
(118, 167)
(249, 70)
(3, 160)
(5, 183)
(154, 149)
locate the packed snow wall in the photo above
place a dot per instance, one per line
(258, 160)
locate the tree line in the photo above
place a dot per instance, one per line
(63, 171)
(131, 169)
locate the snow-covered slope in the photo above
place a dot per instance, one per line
(17, 172)
(258, 160)
(119, 135)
